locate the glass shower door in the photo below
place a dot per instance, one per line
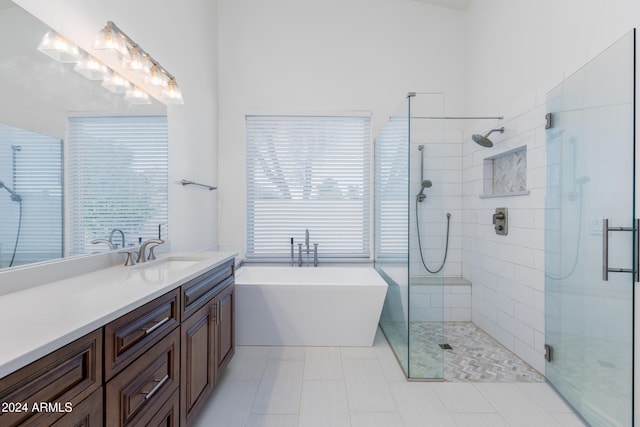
(590, 179)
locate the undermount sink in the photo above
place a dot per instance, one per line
(170, 263)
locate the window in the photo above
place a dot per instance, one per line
(117, 169)
(392, 184)
(308, 172)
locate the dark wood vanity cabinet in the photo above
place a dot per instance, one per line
(207, 337)
(154, 366)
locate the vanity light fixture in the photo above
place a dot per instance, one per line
(59, 48)
(156, 77)
(172, 94)
(109, 39)
(137, 62)
(156, 81)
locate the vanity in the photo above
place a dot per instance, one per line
(119, 346)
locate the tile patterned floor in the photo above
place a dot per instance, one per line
(474, 357)
(364, 386)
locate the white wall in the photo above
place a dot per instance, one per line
(183, 38)
(324, 56)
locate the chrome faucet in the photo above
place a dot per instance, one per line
(121, 235)
(306, 240)
(307, 250)
(143, 248)
(105, 241)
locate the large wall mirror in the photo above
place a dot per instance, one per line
(45, 107)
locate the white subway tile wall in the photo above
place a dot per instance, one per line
(507, 272)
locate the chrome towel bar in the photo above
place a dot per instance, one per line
(189, 182)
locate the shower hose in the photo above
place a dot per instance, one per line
(446, 246)
(15, 246)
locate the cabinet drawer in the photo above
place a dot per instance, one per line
(129, 336)
(168, 415)
(142, 388)
(198, 291)
(65, 377)
(87, 414)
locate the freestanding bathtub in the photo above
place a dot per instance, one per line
(307, 306)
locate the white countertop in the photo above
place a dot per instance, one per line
(38, 320)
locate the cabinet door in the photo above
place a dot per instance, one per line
(225, 329)
(197, 367)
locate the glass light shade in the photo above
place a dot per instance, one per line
(157, 77)
(91, 68)
(116, 83)
(137, 96)
(136, 61)
(109, 39)
(172, 94)
(59, 48)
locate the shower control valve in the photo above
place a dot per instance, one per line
(500, 223)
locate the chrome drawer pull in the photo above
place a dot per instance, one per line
(156, 326)
(148, 394)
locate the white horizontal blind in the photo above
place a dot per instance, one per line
(30, 165)
(117, 169)
(392, 190)
(308, 172)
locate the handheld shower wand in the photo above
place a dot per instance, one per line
(14, 196)
(425, 183)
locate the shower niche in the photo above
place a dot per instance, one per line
(505, 174)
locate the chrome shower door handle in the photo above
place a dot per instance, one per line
(605, 250)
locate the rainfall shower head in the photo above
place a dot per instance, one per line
(484, 139)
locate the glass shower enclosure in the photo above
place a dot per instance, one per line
(409, 185)
(418, 230)
(591, 254)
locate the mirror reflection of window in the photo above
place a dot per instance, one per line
(30, 197)
(117, 169)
